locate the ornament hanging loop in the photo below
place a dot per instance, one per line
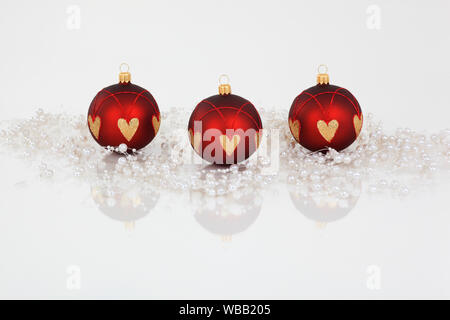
(322, 69)
(224, 85)
(124, 75)
(124, 65)
(323, 77)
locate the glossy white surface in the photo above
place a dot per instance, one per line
(384, 247)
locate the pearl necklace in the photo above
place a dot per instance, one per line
(62, 145)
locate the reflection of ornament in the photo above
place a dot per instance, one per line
(325, 116)
(328, 205)
(225, 128)
(123, 205)
(121, 200)
(226, 215)
(229, 214)
(124, 113)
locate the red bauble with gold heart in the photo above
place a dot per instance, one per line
(225, 128)
(124, 113)
(325, 116)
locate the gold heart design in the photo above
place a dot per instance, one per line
(156, 124)
(295, 129)
(97, 195)
(94, 126)
(229, 145)
(196, 140)
(128, 129)
(127, 201)
(327, 130)
(357, 123)
(258, 137)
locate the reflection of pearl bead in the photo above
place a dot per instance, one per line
(404, 191)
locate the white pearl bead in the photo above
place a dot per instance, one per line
(122, 148)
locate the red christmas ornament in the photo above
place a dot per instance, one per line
(225, 128)
(124, 113)
(325, 116)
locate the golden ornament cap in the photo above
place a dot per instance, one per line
(322, 77)
(124, 76)
(224, 85)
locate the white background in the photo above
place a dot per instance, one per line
(270, 50)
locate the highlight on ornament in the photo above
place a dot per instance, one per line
(225, 128)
